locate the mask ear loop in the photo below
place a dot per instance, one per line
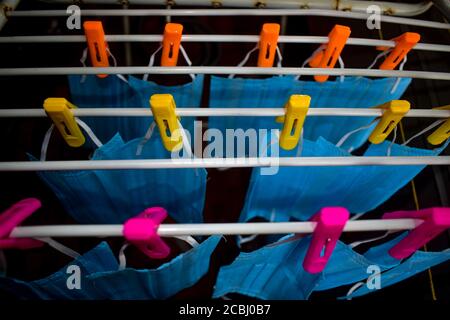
(60, 247)
(348, 134)
(431, 126)
(320, 48)
(49, 132)
(83, 62)
(394, 88)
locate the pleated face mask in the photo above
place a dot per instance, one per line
(298, 192)
(69, 282)
(352, 92)
(161, 283)
(113, 196)
(276, 272)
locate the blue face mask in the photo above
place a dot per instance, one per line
(55, 286)
(353, 92)
(276, 272)
(113, 92)
(297, 192)
(113, 196)
(180, 273)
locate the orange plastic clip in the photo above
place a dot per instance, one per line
(268, 44)
(404, 44)
(171, 44)
(328, 57)
(95, 37)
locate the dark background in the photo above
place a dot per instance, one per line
(225, 190)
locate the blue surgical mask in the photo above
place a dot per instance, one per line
(113, 196)
(298, 192)
(353, 92)
(55, 286)
(114, 92)
(167, 280)
(276, 272)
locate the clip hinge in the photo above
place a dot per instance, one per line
(171, 44)
(95, 37)
(163, 109)
(394, 112)
(268, 44)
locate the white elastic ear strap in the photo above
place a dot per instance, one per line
(244, 61)
(60, 247)
(348, 134)
(431, 126)
(146, 138)
(151, 62)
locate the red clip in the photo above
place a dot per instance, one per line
(12, 218)
(171, 44)
(403, 44)
(95, 37)
(142, 231)
(330, 224)
(328, 57)
(436, 221)
(268, 44)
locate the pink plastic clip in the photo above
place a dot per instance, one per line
(12, 218)
(330, 223)
(142, 231)
(436, 220)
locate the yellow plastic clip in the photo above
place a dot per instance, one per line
(394, 112)
(442, 133)
(296, 109)
(58, 110)
(163, 109)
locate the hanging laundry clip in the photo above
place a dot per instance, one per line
(404, 44)
(268, 44)
(163, 109)
(442, 133)
(171, 44)
(12, 218)
(330, 224)
(296, 110)
(436, 221)
(327, 57)
(142, 231)
(394, 112)
(97, 45)
(58, 109)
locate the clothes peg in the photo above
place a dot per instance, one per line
(95, 37)
(58, 109)
(443, 132)
(171, 44)
(13, 217)
(142, 231)
(330, 224)
(403, 44)
(296, 110)
(327, 57)
(394, 112)
(268, 44)
(163, 109)
(436, 221)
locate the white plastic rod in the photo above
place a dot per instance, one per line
(231, 12)
(389, 8)
(223, 112)
(221, 163)
(206, 229)
(216, 38)
(225, 70)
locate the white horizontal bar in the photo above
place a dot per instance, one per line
(224, 70)
(220, 163)
(215, 38)
(229, 12)
(206, 229)
(222, 112)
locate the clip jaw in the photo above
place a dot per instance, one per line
(268, 44)
(12, 218)
(394, 112)
(404, 44)
(328, 57)
(171, 44)
(442, 133)
(436, 221)
(95, 37)
(330, 224)
(296, 110)
(163, 109)
(58, 109)
(142, 231)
